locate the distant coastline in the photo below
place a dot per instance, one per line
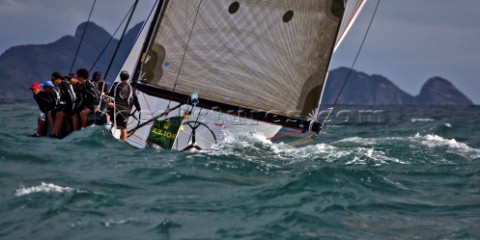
(22, 65)
(364, 89)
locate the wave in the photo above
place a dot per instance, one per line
(43, 187)
(92, 138)
(250, 145)
(434, 141)
(372, 151)
(422, 120)
(257, 148)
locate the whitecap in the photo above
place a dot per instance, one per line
(421, 120)
(359, 140)
(109, 222)
(257, 148)
(434, 141)
(44, 187)
(378, 157)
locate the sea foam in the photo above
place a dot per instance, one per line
(435, 141)
(44, 187)
(421, 120)
(432, 140)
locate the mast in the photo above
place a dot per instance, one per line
(121, 38)
(160, 5)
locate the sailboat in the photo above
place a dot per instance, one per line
(203, 69)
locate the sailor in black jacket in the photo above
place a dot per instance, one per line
(125, 99)
(91, 96)
(66, 104)
(46, 100)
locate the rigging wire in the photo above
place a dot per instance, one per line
(357, 55)
(186, 49)
(111, 39)
(135, 68)
(313, 136)
(83, 35)
(166, 112)
(121, 38)
(148, 39)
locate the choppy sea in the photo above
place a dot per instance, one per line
(399, 173)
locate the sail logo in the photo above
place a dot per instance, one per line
(166, 125)
(164, 133)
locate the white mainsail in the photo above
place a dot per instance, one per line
(259, 57)
(267, 55)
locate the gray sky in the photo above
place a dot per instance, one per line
(45, 21)
(409, 41)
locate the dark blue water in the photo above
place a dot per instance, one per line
(402, 173)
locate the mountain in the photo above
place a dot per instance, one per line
(363, 89)
(439, 91)
(20, 66)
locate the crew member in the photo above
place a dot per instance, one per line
(66, 103)
(125, 99)
(46, 101)
(91, 94)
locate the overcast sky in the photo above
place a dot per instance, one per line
(45, 21)
(409, 41)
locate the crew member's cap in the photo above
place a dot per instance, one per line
(47, 84)
(124, 75)
(97, 75)
(72, 75)
(35, 86)
(57, 75)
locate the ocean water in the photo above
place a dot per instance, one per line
(402, 173)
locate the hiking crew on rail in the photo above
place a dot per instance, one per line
(91, 96)
(78, 98)
(66, 105)
(75, 103)
(46, 100)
